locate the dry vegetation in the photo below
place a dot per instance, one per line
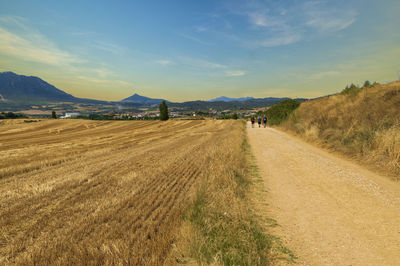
(85, 192)
(364, 124)
(117, 192)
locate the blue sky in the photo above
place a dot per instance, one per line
(188, 50)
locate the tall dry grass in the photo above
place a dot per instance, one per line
(101, 192)
(364, 125)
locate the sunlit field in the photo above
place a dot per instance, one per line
(90, 192)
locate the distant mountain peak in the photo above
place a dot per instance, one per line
(228, 99)
(136, 98)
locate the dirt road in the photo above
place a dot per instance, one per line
(330, 211)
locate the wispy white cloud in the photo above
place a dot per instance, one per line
(23, 42)
(269, 27)
(124, 83)
(287, 39)
(235, 73)
(92, 79)
(199, 63)
(28, 49)
(110, 47)
(195, 39)
(261, 19)
(200, 28)
(273, 24)
(330, 24)
(322, 75)
(100, 72)
(328, 19)
(110, 82)
(14, 21)
(27, 44)
(164, 62)
(83, 33)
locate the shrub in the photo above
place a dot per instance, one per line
(351, 90)
(281, 111)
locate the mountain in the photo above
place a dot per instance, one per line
(19, 88)
(136, 98)
(227, 99)
(19, 92)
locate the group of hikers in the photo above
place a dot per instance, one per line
(264, 120)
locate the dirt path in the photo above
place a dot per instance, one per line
(330, 211)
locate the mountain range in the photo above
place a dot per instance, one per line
(227, 99)
(20, 89)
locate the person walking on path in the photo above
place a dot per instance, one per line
(265, 119)
(259, 121)
(253, 120)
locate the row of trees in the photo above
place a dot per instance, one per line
(11, 115)
(354, 89)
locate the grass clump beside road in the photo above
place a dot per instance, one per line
(219, 227)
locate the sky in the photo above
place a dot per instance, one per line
(197, 50)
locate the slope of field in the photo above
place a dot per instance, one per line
(363, 123)
(89, 192)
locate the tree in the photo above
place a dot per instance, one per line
(367, 84)
(53, 115)
(163, 111)
(352, 89)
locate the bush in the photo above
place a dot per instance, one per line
(281, 111)
(229, 116)
(351, 90)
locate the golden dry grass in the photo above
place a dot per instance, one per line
(101, 192)
(364, 125)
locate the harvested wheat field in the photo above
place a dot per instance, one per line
(100, 192)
